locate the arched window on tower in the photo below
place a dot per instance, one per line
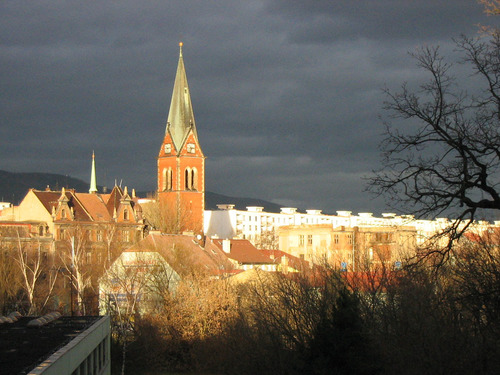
(187, 179)
(194, 179)
(169, 179)
(164, 179)
(125, 215)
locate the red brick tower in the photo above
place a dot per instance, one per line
(181, 163)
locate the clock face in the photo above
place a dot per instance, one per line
(191, 148)
(168, 148)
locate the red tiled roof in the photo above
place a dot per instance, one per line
(244, 252)
(293, 261)
(49, 199)
(184, 254)
(491, 236)
(95, 206)
(114, 199)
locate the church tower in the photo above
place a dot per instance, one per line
(181, 163)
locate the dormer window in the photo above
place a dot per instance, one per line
(125, 215)
(168, 148)
(191, 148)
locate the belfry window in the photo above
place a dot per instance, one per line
(194, 179)
(164, 179)
(187, 179)
(169, 179)
(191, 179)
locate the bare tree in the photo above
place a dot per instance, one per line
(76, 258)
(33, 271)
(445, 159)
(164, 217)
(137, 282)
(10, 281)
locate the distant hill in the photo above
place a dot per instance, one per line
(213, 199)
(14, 186)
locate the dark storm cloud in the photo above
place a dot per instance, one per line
(286, 94)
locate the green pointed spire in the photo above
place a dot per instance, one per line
(93, 183)
(180, 116)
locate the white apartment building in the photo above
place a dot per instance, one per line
(259, 226)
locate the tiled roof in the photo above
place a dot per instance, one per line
(184, 254)
(86, 207)
(49, 199)
(114, 199)
(95, 206)
(244, 252)
(293, 261)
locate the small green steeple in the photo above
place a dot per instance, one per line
(93, 183)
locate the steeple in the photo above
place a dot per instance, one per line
(181, 163)
(93, 183)
(180, 116)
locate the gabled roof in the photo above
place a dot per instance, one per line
(180, 116)
(244, 252)
(184, 254)
(49, 200)
(114, 200)
(94, 206)
(293, 261)
(86, 206)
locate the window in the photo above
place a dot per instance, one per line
(99, 235)
(168, 148)
(125, 215)
(194, 179)
(309, 239)
(126, 236)
(335, 238)
(301, 240)
(191, 179)
(349, 239)
(187, 179)
(169, 179)
(88, 258)
(191, 148)
(164, 179)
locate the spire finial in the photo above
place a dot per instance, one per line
(93, 183)
(180, 48)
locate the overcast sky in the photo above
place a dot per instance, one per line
(286, 94)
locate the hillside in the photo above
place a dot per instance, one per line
(14, 186)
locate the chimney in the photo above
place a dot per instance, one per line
(226, 246)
